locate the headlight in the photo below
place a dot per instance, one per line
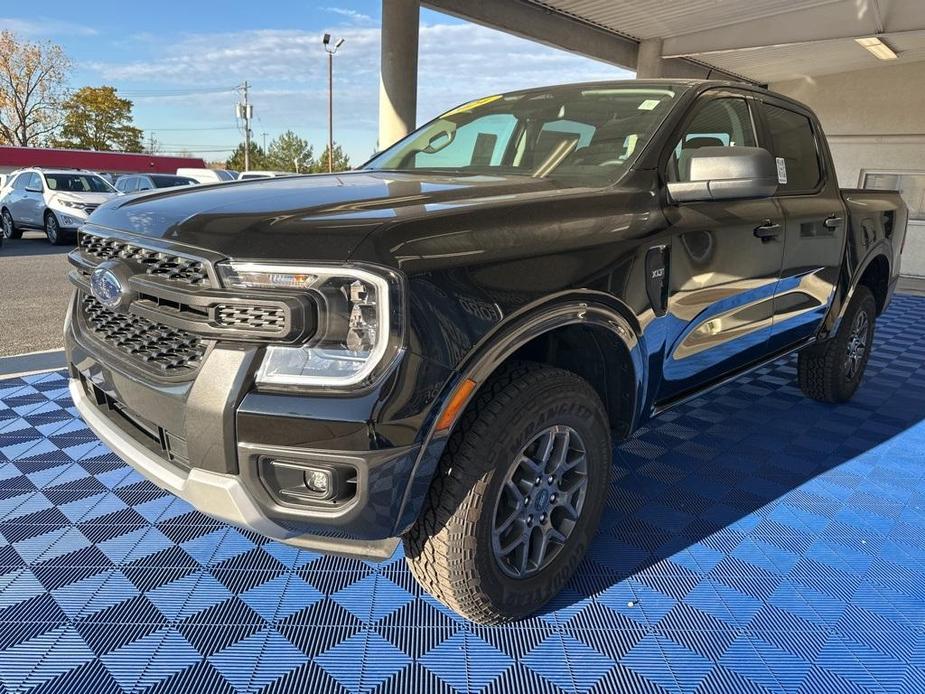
(82, 206)
(357, 329)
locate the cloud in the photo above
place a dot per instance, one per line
(288, 73)
(350, 14)
(42, 27)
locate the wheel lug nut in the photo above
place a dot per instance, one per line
(553, 498)
(538, 480)
(526, 500)
(543, 518)
(530, 520)
(550, 479)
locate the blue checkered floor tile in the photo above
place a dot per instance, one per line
(754, 540)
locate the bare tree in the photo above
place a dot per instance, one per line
(33, 80)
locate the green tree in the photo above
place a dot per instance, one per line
(289, 152)
(33, 78)
(98, 118)
(341, 161)
(257, 156)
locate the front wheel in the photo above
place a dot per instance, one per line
(832, 371)
(9, 226)
(517, 496)
(53, 230)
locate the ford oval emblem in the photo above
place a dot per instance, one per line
(106, 287)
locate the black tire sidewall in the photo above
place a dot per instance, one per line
(862, 300)
(3, 225)
(554, 403)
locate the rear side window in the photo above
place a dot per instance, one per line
(792, 140)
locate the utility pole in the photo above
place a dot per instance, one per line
(246, 112)
(331, 50)
(265, 142)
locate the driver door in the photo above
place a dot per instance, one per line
(722, 278)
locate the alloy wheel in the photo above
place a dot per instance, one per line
(51, 228)
(857, 345)
(540, 502)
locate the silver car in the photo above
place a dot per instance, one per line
(55, 201)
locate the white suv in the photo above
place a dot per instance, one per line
(55, 201)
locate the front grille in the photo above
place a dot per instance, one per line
(158, 347)
(167, 265)
(264, 318)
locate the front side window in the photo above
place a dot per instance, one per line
(22, 181)
(584, 135)
(793, 141)
(724, 122)
(35, 182)
(77, 183)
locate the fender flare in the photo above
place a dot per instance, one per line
(882, 247)
(592, 309)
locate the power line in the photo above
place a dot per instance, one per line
(184, 130)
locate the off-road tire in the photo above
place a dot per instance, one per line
(821, 369)
(53, 231)
(9, 226)
(449, 548)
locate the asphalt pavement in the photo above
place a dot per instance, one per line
(34, 294)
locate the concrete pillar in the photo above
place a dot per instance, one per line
(649, 59)
(398, 83)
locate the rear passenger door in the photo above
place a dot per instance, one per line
(721, 277)
(33, 202)
(815, 221)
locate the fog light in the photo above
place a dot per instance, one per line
(318, 481)
(293, 481)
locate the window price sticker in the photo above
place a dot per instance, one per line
(781, 170)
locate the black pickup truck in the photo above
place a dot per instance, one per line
(441, 347)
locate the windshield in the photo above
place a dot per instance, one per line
(77, 183)
(586, 135)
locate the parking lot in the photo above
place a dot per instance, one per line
(34, 294)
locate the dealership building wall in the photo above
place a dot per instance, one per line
(875, 123)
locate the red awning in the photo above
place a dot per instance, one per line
(112, 162)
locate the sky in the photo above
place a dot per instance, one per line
(180, 63)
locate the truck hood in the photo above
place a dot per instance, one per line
(319, 217)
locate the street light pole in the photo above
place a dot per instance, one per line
(331, 50)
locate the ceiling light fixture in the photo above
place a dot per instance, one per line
(878, 48)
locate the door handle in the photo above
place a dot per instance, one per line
(833, 222)
(768, 230)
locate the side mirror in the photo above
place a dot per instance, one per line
(726, 173)
(30, 189)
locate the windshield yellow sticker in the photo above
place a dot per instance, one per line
(471, 106)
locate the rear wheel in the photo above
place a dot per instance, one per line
(53, 230)
(832, 371)
(9, 227)
(517, 495)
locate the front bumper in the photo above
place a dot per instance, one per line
(226, 429)
(221, 496)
